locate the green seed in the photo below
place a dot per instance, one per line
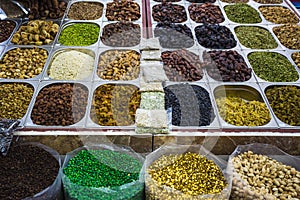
(255, 37)
(242, 13)
(80, 34)
(273, 67)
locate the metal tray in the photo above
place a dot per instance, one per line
(252, 79)
(284, 53)
(215, 124)
(88, 50)
(17, 24)
(37, 77)
(264, 86)
(81, 124)
(103, 50)
(102, 45)
(34, 84)
(65, 24)
(248, 92)
(90, 123)
(66, 18)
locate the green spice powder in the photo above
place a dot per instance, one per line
(242, 13)
(79, 34)
(273, 67)
(102, 168)
(285, 102)
(255, 37)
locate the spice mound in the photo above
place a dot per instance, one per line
(79, 34)
(85, 11)
(25, 171)
(261, 177)
(14, 99)
(285, 102)
(71, 65)
(186, 175)
(36, 32)
(103, 174)
(272, 66)
(242, 13)
(238, 112)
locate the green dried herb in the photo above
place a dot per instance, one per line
(255, 37)
(242, 13)
(285, 102)
(273, 67)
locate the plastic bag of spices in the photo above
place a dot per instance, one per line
(30, 171)
(185, 172)
(103, 171)
(263, 171)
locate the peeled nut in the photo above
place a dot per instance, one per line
(268, 178)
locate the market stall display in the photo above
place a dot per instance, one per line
(145, 72)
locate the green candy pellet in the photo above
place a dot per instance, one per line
(91, 173)
(80, 34)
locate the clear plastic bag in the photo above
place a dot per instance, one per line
(133, 190)
(241, 188)
(54, 191)
(154, 191)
